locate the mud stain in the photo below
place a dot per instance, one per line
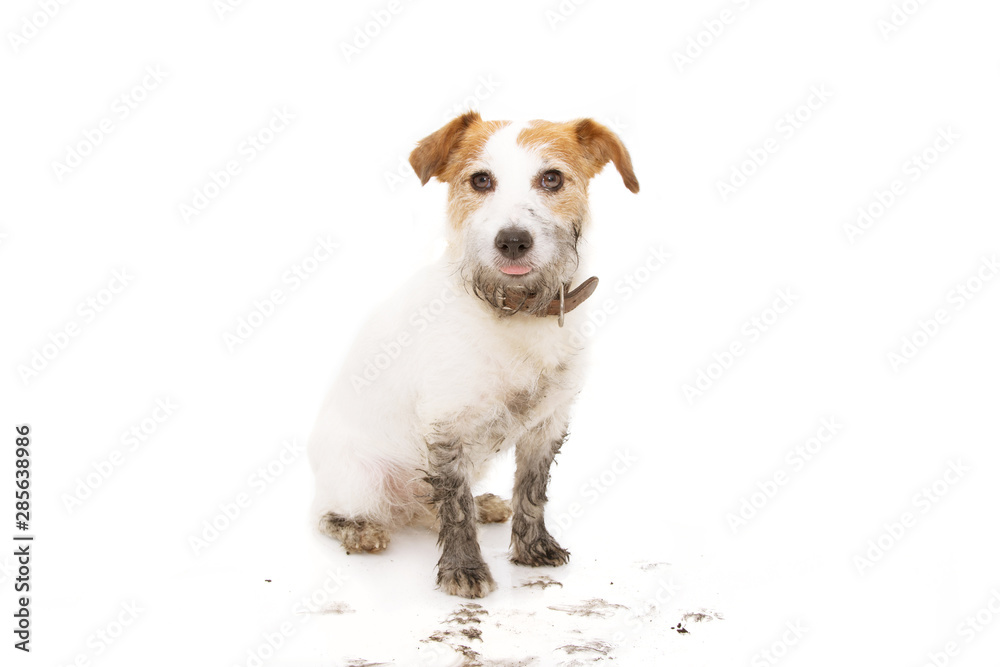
(593, 607)
(468, 613)
(597, 646)
(542, 582)
(700, 616)
(646, 567)
(337, 608)
(462, 627)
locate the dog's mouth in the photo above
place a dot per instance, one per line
(516, 269)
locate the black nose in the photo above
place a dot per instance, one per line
(513, 242)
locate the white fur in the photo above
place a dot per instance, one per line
(369, 447)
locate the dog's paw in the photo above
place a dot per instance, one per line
(467, 582)
(492, 509)
(543, 551)
(355, 535)
(368, 537)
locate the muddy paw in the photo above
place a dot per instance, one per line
(467, 582)
(491, 508)
(368, 537)
(355, 534)
(544, 551)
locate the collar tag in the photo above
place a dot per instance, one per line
(562, 303)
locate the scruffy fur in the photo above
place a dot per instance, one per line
(442, 378)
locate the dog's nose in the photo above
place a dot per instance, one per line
(513, 242)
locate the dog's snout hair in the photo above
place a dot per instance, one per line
(403, 436)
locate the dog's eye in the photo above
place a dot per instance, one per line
(552, 180)
(482, 181)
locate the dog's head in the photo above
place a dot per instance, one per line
(517, 197)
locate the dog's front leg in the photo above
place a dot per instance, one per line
(461, 569)
(531, 543)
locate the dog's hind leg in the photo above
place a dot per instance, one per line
(355, 534)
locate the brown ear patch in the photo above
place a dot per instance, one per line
(430, 157)
(601, 145)
(584, 144)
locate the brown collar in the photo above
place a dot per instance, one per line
(564, 303)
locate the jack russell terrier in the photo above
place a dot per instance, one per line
(472, 357)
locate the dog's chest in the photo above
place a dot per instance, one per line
(488, 380)
(515, 397)
(522, 391)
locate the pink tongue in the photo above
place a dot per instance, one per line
(515, 270)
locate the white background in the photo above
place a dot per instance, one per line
(662, 522)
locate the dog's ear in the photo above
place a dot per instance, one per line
(601, 145)
(430, 157)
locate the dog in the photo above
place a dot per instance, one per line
(471, 357)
